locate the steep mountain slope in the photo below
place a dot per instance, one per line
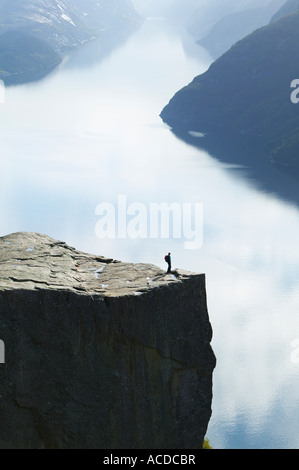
(291, 6)
(236, 26)
(247, 91)
(25, 58)
(51, 27)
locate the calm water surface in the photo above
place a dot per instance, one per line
(91, 132)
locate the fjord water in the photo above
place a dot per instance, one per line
(89, 133)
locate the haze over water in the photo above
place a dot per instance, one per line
(91, 132)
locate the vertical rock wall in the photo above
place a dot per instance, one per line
(92, 370)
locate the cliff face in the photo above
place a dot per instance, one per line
(99, 353)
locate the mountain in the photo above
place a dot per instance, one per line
(200, 16)
(291, 6)
(66, 24)
(25, 58)
(247, 91)
(60, 24)
(235, 26)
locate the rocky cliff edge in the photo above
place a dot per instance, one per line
(100, 353)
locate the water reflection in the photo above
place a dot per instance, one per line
(248, 158)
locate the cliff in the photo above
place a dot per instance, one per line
(247, 91)
(100, 353)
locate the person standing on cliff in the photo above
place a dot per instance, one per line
(168, 261)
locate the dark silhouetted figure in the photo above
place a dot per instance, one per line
(168, 261)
